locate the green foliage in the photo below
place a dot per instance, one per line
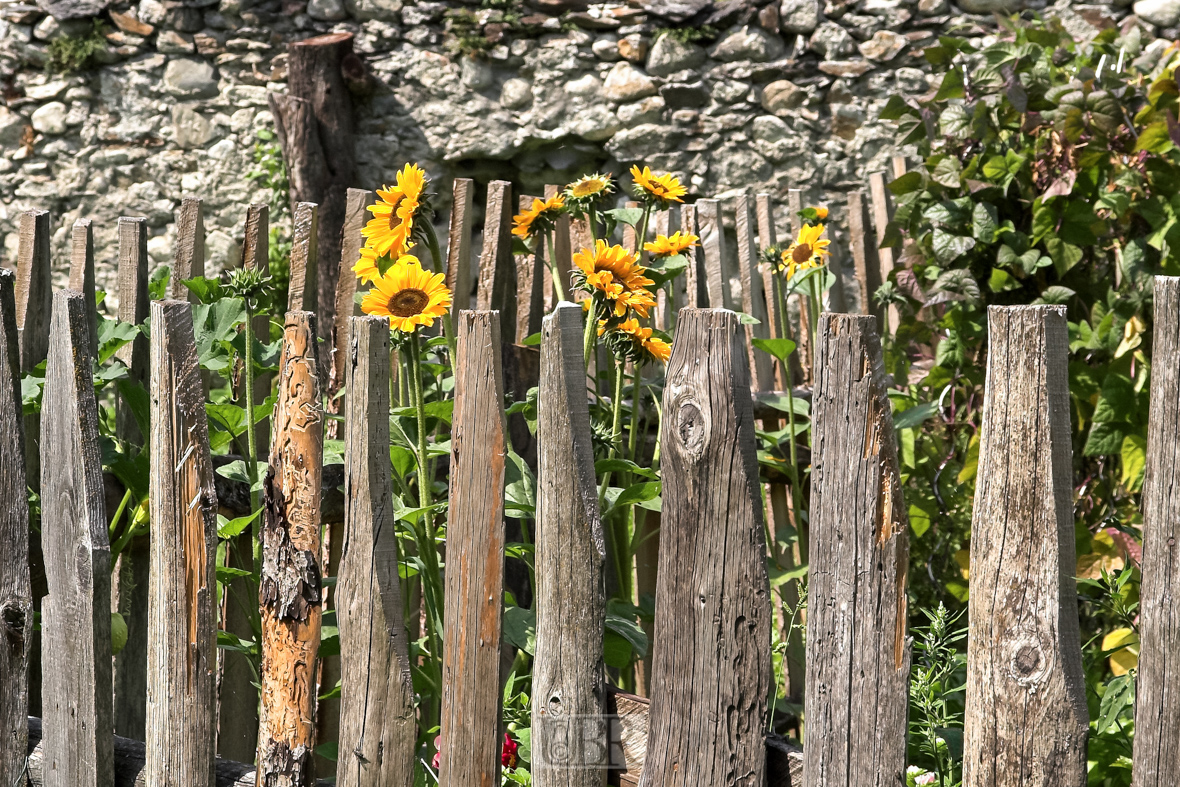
(689, 35)
(71, 54)
(270, 171)
(937, 683)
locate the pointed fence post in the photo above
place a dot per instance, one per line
(302, 290)
(1157, 686)
(356, 214)
(712, 232)
(189, 258)
(16, 598)
(882, 214)
(459, 244)
(713, 595)
(695, 295)
(857, 654)
(378, 730)
(530, 298)
(1026, 721)
(290, 592)
(82, 276)
(868, 275)
(562, 252)
(76, 615)
(34, 293)
(569, 691)
(497, 273)
(471, 740)
(182, 637)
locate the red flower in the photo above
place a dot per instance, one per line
(508, 754)
(437, 752)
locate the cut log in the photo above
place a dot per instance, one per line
(569, 734)
(1026, 721)
(471, 741)
(378, 729)
(76, 615)
(290, 593)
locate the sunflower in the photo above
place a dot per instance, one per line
(808, 250)
(635, 341)
(665, 246)
(657, 348)
(539, 218)
(821, 212)
(615, 272)
(408, 295)
(366, 268)
(388, 232)
(589, 188)
(662, 190)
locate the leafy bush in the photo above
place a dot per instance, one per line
(71, 54)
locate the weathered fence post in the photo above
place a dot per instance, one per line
(753, 296)
(1157, 694)
(302, 290)
(130, 578)
(569, 692)
(475, 557)
(694, 278)
(1026, 720)
(377, 724)
(290, 593)
(76, 615)
(562, 252)
(713, 598)
(459, 243)
(181, 713)
(82, 276)
(530, 298)
(34, 293)
(189, 257)
(355, 215)
(497, 274)
(16, 599)
(712, 231)
(868, 278)
(879, 196)
(857, 654)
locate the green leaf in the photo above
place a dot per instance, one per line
(630, 216)
(948, 247)
(629, 630)
(1002, 170)
(616, 650)
(785, 404)
(1118, 697)
(896, 108)
(138, 402)
(1154, 138)
(622, 466)
(1134, 456)
(1105, 439)
(520, 628)
(1002, 281)
(780, 577)
(952, 85)
(532, 341)
(947, 172)
(229, 528)
(112, 335)
(638, 493)
(229, 573)
(915, 416)
(777, 348)
(985, 220)
(909, 182)
(236, 471)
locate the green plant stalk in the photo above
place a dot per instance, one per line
(622, 542)
(114, 526)
(641, 234)
(796, 490)
(251, 438)
(590, 334)
(436, 255)
(558, 286)
(593, 229)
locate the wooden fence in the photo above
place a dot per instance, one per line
(709, 674)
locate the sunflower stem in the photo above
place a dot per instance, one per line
(558, 287)
(436, 256)
(590, 334)
(621, 545)
(641, 235)
(251, 438)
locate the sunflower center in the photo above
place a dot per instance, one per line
(408, 303)
(802, 253)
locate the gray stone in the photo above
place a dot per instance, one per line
(884, 46)
(190, 129)
(13, 127)
(932, 7)
(649, 110)
(326, 10)
(782, 96)
(516, 94)
(222, 150)
(626, 83)
(910, 80)
(846, 119)
(748, 43)
(47, 29)
(738, 165)
(188, 77)
(679, 95)
(768, 128)
(385, 10)
(595, 123)
(633, 48)
(476, 74)
(1164, 13)
(587, 85)
(845, 68)
(799, 16)
(607, 48)
(643, 142)
(170, 42)
(669, 55)
(47, 91)
(152, 11)
(831, 40)
(988, 6)
(676, 10)
(50, 118)
(72, 9)
(221, 251)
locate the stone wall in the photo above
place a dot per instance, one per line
(771, 95)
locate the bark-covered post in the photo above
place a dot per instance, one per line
(1026, 721)
(569, 690)
(497, 274)
(189, 257)
(459, 243)
(82, 276)
(378, 729)
(16, 599)
(290, 592)
(712, 232)
(713, 595)
(471, 739)
(858, 657)
(1157, 691)
(130, 577)
(301, 292)
(182, 637)
(76, 615)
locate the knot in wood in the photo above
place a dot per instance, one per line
(691, 427)
(82, 563)
(1031, 661)
(13, 617)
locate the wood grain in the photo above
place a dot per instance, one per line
(753, 295)
(858, 657)
(696, 293)
(868, 275)
(1026, 721)
(189, 256)
(1157, 686)
(569, 731)
(82, 276)
(471, 739)
(256, 238)
(562, 252)
(767, 237)
(459, 243)
(377, 724)
(803, 338)
(530, 301)
(16, 598)
(713, 625)
(76, 615)
(130, 578)
(711, 230)
(882, 214)
(34, 293)
(355, 215)
(181, 713)
(301, 292)
(290, 593)
(497, 274)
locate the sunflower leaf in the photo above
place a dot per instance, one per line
(631, 216)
